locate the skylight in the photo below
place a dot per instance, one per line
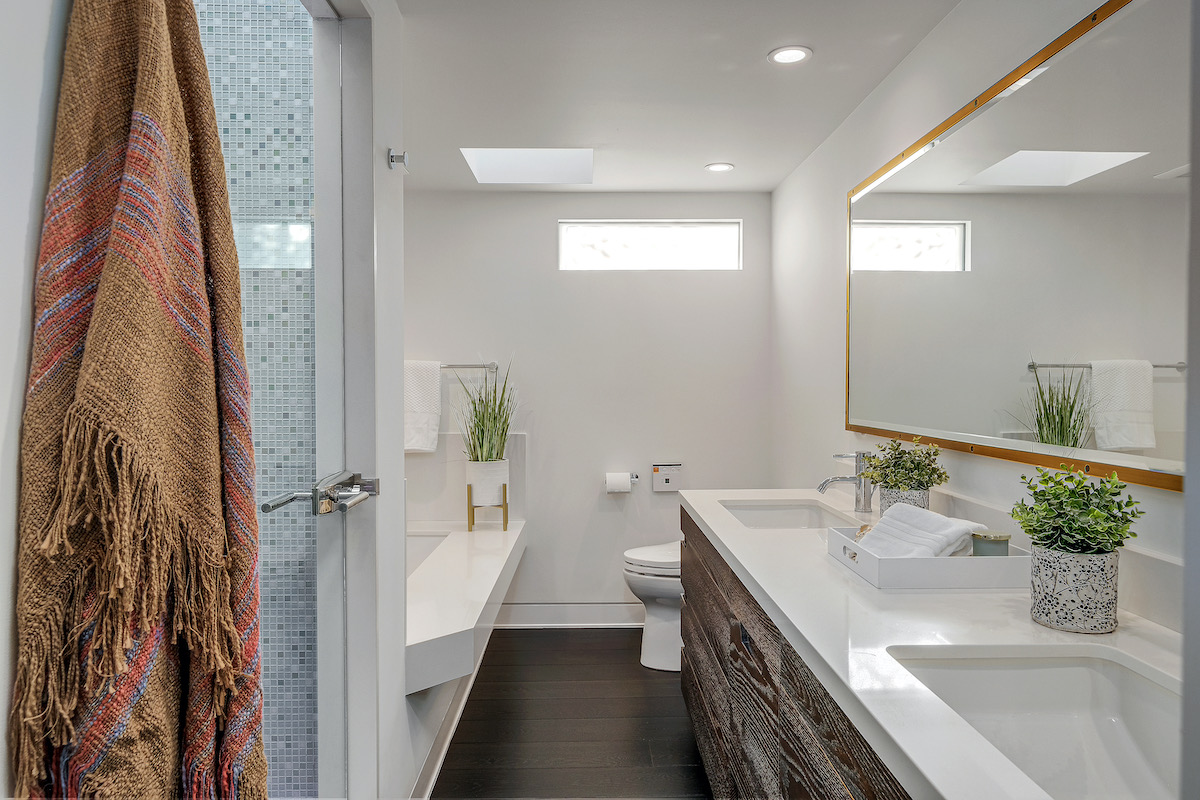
(1049, 168)
(530, 164)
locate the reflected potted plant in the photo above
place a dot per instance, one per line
(1076, 525)
(484, 419)
(1059, 410)
(904, 476)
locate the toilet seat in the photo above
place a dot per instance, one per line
(656, 559)
(654, 572)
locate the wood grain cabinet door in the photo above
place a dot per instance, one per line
(710, 726)
(806, 771)
(705, 623)
(861, 772)
(754, 708)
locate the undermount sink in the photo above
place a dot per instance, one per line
(785, 514)
(1081, 721)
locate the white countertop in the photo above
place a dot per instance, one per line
(454, 596)
(841, 626)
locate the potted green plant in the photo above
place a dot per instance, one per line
(484, 419)
(904, 475)
(1076, 525)
(1059, 410)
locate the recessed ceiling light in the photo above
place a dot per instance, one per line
(530, 164)
(789, 54)
(1049, 167)
(720, 166)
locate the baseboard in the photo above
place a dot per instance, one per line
(571, 615)
(428, 775)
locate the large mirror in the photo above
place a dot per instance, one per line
(1033, 244)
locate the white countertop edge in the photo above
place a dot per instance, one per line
(841, 626)
(466, 562)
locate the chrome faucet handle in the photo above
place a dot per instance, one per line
(860, 459)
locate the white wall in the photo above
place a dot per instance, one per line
(1056, 277)
(977, 43)
(31, 47)
(1190, 785)
(615, 371)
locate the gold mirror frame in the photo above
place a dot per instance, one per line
(1141, 477)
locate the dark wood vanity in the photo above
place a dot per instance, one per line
(764, 724)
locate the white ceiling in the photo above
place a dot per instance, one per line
(658, 87)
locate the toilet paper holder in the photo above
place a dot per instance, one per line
(608, 476)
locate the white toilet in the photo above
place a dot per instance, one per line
(653, 575)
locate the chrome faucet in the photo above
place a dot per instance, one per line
(863, 488)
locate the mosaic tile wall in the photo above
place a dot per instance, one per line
(260, 62)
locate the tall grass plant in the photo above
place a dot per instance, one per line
(485, 416)
(1060, 409)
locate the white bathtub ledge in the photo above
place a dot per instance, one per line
(453, 599)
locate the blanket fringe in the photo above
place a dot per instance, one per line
(148, 554)
(46, 687)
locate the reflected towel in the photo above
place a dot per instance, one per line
(906, 531)
(1123, 404)
(422, 405)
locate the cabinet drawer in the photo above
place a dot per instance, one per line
(706, 666)
(859, 767)
(712, 614)
(742, 605)
(710, 731)
(754, 713)
(806, 771)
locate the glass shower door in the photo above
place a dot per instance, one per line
(260, 56)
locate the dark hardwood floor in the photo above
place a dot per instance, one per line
(568, 713)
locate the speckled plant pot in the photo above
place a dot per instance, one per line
(1074, 591)
(914, 497)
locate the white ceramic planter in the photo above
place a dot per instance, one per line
(486, 479)
(914, 497)
(1074, 591)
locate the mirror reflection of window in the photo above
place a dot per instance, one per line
(909, 246)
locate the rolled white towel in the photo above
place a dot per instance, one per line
(906, 531)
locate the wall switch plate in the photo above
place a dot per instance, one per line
(668, 477)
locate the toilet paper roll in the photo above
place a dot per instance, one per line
(617, 482)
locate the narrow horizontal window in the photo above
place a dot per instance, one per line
(909, 246)
(612, 244)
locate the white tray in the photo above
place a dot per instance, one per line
(956, 572)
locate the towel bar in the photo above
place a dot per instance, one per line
(489, 366)
(1034, 366)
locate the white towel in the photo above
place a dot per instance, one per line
(1123, 404)
(906, 531)
(422, 405)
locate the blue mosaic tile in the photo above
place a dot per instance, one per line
(260, 63)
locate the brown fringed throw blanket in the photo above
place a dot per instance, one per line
(137, 602)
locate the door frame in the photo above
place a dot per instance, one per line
(371, 756)
(329, 300)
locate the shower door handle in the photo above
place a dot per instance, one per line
(340, 491)
(279, 501)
